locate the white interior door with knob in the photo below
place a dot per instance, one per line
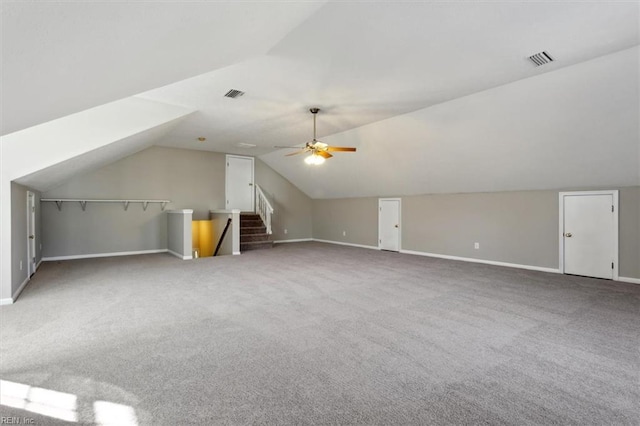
(239, 188)
(589, 233)
(31, 233)
(389, 224)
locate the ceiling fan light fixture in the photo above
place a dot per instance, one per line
(320, 151)
(314, 159)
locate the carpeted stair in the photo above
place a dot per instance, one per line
(253, 233)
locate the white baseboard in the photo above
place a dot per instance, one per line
(179, 256)
(629, 280)
(487, 262)
(38, 264)
(14, 297)
(19, 290)
(299, 240)
(90, 256)
(346, 244)
(235, 253)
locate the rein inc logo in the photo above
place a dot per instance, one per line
(5, 420)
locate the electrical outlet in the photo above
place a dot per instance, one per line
(344, 233)
(286, 231)
(21, 265)
(476, 246)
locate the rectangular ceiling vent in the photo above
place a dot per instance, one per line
(541, 58)
(233, 93)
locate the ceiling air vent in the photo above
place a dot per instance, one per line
(233, 93)
(541, 58)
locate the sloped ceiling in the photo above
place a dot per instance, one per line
(63, 57)
(578, 127)
(52, 176)
(362, 63)
(365, 62)
(46, 155)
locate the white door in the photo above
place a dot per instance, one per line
(31, 233)
(239, 183)
(589, 234)
(389, 224)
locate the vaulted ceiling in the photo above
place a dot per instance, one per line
(418, 84)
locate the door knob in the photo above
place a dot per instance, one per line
(396, 226)
(568, 234)
(250, 184)
(31, 237)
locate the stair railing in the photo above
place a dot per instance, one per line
(263, 208)
(226, 228)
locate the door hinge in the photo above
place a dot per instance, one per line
(380, 241)
(611, 265)
(611, 209)
(227, 164)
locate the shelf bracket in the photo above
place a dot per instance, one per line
(126, 205)
(145, 204)
(83, 204)
(59, 204)
(163, 205)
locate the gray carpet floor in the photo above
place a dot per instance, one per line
(313, 333)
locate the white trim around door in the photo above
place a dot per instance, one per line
(615, 231)
(31, 234)
(235, 184)
(383, 232)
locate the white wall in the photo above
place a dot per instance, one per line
(32, 154)
(292, 207)
(578, 126)
(19, 256)
(517, 227)
(190, 179)
(179, 238)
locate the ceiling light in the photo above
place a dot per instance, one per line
(314, 159)
(201, 139)
(320, 151)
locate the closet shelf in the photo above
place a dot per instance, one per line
(83, 202)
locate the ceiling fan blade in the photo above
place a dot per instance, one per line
(340, 149)
(324, 154)
(297, 152)
(290, 147)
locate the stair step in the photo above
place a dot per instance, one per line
(256, 245)
(254, 237)
(251, 223)
(253, 230)
(249, 216)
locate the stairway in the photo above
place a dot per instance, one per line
(253, 233)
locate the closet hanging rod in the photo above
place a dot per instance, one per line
(83, 202)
